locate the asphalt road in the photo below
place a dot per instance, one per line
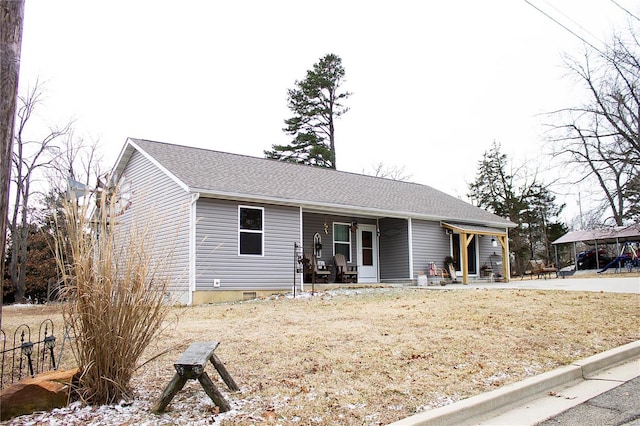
(619, 406)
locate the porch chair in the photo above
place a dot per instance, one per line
(345, 273)
(312, 269)
(538, 268)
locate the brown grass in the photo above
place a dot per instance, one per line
(373, 357)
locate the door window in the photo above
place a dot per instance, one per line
(367, 248)
(342, 240)
(456, 249)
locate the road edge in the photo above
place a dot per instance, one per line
(506, 397)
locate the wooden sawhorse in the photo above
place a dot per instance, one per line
(191, 366)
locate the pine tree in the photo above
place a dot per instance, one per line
(519, 196)
(315, 102)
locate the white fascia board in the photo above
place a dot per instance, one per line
(158, 165)
(337, 208)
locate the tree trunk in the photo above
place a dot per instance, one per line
(22, 258)
(11, 21)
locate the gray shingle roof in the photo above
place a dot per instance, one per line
(215, 173)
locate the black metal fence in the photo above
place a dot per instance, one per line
(26, 357)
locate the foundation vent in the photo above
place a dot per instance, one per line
(249, 295)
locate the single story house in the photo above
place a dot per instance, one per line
(234, 226)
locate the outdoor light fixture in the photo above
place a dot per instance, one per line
(494, 243)
(27, 348)
(49, 342)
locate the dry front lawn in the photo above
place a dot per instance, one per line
(365, 357)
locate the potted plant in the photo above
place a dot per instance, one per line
(449, 266)
(485, 270)
(448, 261)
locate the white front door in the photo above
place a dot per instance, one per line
(367, 254)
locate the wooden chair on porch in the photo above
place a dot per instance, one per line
(345, 273)
(313, 270)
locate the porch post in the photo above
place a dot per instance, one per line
(466, 239)
(506, 269)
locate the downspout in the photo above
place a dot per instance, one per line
(410, 236)
(192, 246)
(301, 274)
(377, 242)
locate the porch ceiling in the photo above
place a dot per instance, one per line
(473, 229)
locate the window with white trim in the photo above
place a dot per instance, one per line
(250, 231)
(342, 240)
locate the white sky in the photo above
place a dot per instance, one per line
(434, 83)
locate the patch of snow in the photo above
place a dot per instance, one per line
(395, 407)
(356, 406)
(498, 377)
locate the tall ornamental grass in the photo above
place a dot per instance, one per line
(115, 296)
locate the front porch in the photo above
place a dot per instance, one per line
(398, 251)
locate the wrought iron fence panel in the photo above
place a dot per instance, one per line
(18, 360)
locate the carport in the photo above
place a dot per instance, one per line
(617, 235)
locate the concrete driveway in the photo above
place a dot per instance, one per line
(607, 283)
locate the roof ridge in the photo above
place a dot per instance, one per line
(220, 173)
(287, 163)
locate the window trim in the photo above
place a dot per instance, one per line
(333, 237)
(250, 231)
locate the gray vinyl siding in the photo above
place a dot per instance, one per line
(161, 207)
(430, 244)
(486, 249)
(394, 249)
(314, 222)
(217, 247)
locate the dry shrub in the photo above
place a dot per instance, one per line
(115, 296)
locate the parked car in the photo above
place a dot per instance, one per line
(587, 259)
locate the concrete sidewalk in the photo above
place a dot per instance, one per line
(539, 398)
(572, 404)
(609, 284)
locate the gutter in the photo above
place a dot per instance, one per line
(347, 210)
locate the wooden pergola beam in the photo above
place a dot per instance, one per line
(466, 236)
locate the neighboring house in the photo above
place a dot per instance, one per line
(229, 225)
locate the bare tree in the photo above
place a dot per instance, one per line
(11, 20)
(389, 172)
(79, 160)
(600, 139)
(29, 158)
